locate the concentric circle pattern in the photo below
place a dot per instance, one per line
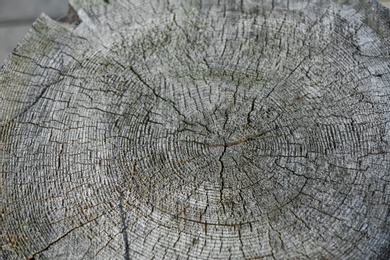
(199, 130)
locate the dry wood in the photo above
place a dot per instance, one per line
(198, 129)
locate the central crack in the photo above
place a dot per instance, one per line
(221, 168)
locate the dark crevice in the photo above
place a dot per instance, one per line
(124, 228)
(122, 212)
(70, 18)
(221, 176)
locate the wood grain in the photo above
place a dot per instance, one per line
(199, 130)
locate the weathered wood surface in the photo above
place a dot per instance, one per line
(199, 129)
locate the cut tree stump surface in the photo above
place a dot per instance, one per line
(200, 130)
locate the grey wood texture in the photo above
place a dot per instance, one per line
(198, 130)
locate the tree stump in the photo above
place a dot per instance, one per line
(198, 130)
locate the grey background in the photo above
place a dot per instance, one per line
(16, 17)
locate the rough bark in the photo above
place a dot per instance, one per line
(198, 129)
